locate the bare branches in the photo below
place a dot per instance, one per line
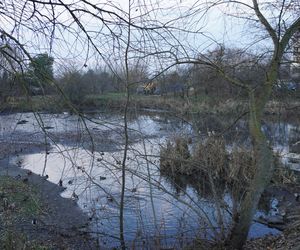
(265, 22)
(289, 33)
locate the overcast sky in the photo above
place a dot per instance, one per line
(223, 24)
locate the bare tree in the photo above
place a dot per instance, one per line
(279, 27)
(142, 32)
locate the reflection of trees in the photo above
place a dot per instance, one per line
(120, 36)
(201, 185)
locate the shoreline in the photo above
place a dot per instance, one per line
(186, 107)
(62, 233)
(61, 223)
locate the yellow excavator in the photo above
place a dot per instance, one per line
(149, 88)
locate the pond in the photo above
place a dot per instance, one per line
(85, 157)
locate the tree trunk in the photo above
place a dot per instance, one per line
(263, 173)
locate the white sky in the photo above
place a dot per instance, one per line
(212, 27)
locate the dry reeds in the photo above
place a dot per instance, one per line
(174, 157)
(241, 166)
(211, 158)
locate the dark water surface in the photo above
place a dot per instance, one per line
(157, 210)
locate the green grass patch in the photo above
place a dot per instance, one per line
(11, 240)
(32, 103)
(19, 202)
(17, 198)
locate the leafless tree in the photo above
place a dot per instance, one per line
(278, 26)
(139, 31)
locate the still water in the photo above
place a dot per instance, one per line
(85, 155)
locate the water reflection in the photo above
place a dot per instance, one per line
(159, 209)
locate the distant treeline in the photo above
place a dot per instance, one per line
(39, 79)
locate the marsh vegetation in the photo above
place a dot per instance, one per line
(171, 124)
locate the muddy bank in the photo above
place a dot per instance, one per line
(60, 224)
(289, 240)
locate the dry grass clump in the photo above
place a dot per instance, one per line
(210, 158)
(241, 166)
(242, 169)
(175, 156)
(282, 174)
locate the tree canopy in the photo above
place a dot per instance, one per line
(40, 71)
